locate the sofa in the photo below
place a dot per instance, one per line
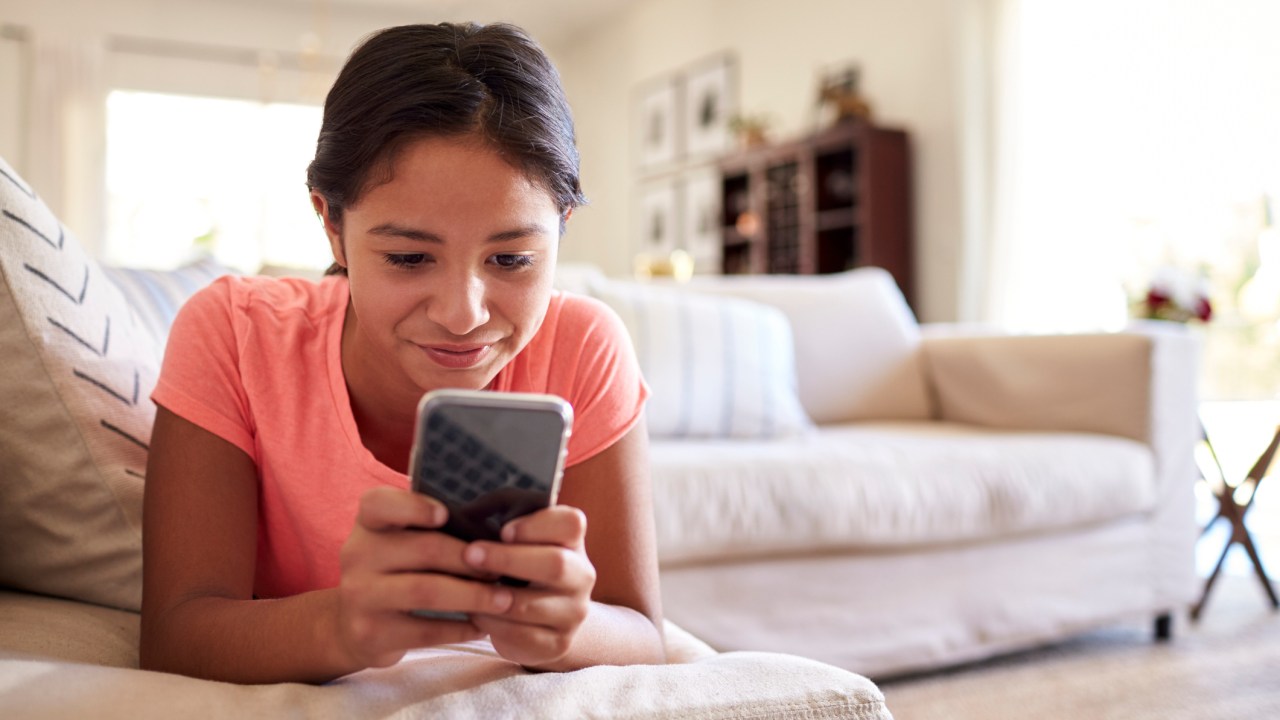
(81, 344)
(924, 495)
(838, 493)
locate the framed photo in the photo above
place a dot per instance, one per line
(657, 126)
(710, 100)
(701, 220)
(659, 226)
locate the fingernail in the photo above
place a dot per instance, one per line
(502, 599)
(474, 555)
(508, 532)
(438, 516)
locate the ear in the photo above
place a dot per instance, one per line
(564, 220)
(331, 229)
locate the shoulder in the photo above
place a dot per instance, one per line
(245, 296)
(579, 316)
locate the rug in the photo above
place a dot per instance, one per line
(1225, 667)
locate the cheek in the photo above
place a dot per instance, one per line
(527, 306)
(379, 305)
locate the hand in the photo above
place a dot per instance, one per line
(392, 563)
(546, 548)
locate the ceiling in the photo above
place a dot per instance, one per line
(549, 21)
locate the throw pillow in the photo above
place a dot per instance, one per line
(76, 419)
(717, 367)
(156, 295)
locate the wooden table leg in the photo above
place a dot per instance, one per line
(1235, 513)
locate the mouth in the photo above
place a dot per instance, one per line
(457, 357)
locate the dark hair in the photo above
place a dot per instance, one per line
(413, 81)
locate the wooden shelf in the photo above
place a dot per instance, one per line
(829, 202)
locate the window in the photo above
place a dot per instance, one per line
(1133, 136)
(194, 175)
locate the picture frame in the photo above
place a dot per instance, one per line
(838, 95)
(710, 100)
(657, 124)
(700, 219)
(659, 225)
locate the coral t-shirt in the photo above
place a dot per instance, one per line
(257, 361)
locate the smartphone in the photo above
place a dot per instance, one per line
(490, 457)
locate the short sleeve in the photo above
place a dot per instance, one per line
(594, 367)
(200, 378)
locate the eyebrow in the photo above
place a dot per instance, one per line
(391, 229)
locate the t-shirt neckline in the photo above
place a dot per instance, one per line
(337, 313)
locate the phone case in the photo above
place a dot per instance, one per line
(488, 456)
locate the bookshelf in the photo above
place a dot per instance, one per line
(826, 203)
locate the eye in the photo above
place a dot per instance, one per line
(407, 261)
(512, 261)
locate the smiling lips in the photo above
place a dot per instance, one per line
(457, 357)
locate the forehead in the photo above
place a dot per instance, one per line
(454, 172)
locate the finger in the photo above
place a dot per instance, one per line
(554, 610)
(406, 592)
(524, 644)
(546, 565)
(409, 551)
(557, 525)
(387, 508)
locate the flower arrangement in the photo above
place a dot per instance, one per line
(1175, 295)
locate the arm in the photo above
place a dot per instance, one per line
(592, 560)
(199, 617)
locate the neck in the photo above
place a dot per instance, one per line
(384, 414)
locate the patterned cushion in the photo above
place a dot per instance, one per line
(76, 416)
(717, 367)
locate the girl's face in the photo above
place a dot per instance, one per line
(450, 266)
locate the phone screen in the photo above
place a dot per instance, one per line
(488, 459)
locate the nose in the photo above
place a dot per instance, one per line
(458, 303)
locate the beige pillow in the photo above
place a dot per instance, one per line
(75, 418)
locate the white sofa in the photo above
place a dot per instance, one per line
(919, 501)
(80, 345)
(962, 493)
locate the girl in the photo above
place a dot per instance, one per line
(281, 542)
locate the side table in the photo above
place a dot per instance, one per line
(1234, 511)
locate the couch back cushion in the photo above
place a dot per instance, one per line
(75, 422)
(857, 343)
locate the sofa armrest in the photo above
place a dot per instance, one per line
(1125, 384)
(1139, 384)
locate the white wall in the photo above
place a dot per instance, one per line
(13, 70)
(908, 51)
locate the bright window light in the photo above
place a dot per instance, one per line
(191, 176)
(1138, 136)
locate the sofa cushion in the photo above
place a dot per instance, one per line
(76, 416)
(716, 366)
(857, 344)
(58, 671)
(889, 485)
